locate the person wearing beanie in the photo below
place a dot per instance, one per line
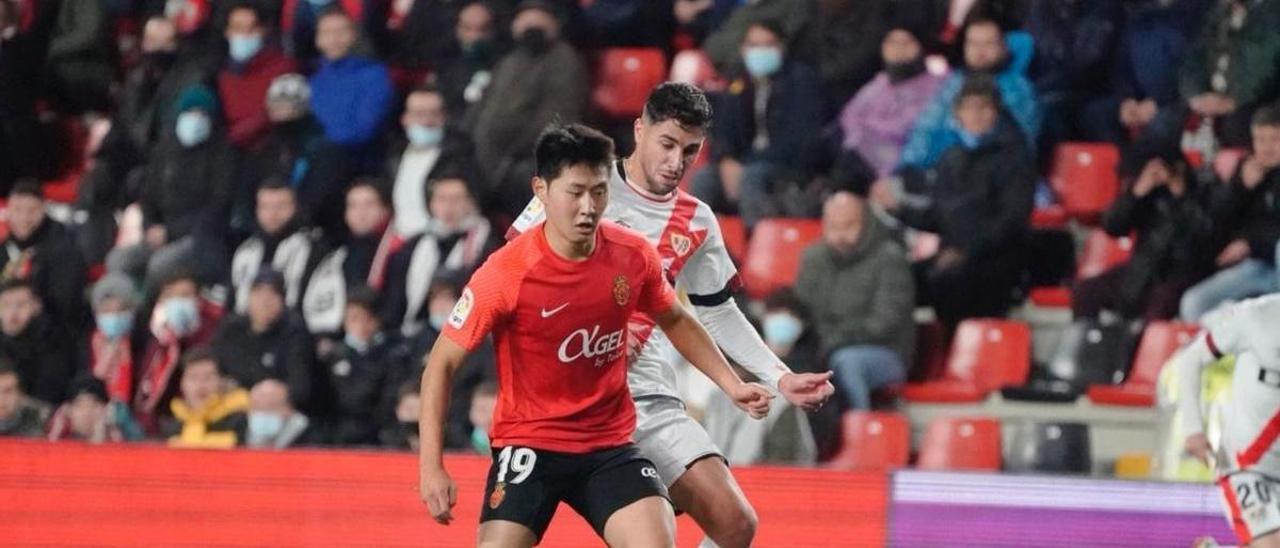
(877, 121)
(253, 63)
(267, 341)
(185, 198)
(115, 302)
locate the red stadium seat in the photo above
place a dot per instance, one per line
(735, 236)
(1224, 164)
(624, 77)
(986, 355)
(1051, 216)
(1159, 342)
(699, 162)
(1101, 253)
(1084, 178)
(873, 440)
(694, 67)
(961, 444)
(773, 254)
(931, 353)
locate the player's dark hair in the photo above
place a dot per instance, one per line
(684, 103)
(563, 145)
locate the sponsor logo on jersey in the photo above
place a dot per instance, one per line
(621, 290)
(499, 493)
(591, 344)
(462, 309)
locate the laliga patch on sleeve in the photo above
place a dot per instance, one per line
(462, 309)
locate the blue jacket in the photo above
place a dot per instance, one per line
(351, 98)
(934, 131)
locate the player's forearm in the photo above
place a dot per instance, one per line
(434, 391)
(733, 332)
(695, 344)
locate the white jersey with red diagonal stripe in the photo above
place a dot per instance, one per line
(1251, 418)
(694, 258)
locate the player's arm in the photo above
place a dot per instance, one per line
(437, 489)
(695, 344)
(1190, 363)
(732, 331)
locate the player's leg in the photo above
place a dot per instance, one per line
(710, 495)
(622, 498)
(699, 486)
(522, 490)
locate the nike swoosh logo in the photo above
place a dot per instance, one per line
(549, 313)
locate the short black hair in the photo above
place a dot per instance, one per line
(13, 284)
(786, 299)
(772, 25)
(180, 275)
(443, 283)
(363, 296)
(27, 186)
(334, 11)
(427, 87)
(684, 103)
(978, 85)
(1268, 115)
(202, 353)
(449, 175)
(275, 183)
(7, 368)
(564, 145)
(85, 383)
(259, 15)
(378, 186)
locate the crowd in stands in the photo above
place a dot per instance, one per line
(277, 201)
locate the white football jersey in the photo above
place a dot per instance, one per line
(694, 258)
(1251, 418)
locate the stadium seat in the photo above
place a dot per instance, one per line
(693, 66)
(735, 236)
(1100, 253)
(931, 353)
(74, 136)
(952, 443)
(1089, 353)
(1224, 164)
(873, 440)
(773, 254)
(624, 77)
(1084, 178)
(1059, 448)
(1050, 216)
(986, 355)
(699, 162)
(1160, 340)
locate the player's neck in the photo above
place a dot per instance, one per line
(565, 248)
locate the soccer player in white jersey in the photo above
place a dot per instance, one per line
(1248, 458)
(645, 196)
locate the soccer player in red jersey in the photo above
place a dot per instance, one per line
(557, 300)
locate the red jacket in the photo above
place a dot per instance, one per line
(244, 94)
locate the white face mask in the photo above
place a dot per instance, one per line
(193, 128)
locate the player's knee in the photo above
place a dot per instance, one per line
(738, 528)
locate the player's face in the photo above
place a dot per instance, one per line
(664, 151)
(575, 201)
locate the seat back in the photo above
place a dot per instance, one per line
(1101, 253)
(624, 77)
(1084, 177)
(1092, 353)
(873, 440)
(1160, 340)
(735, 236)
(990, 353)
(961, 443)
(773, 254)
(1061, 448)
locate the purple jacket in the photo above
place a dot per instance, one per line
(878, 120)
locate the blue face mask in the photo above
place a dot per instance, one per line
(242, 47)
(115, 325)
(782, 329)
(762, 61)
(319, 3)
(437, 321)
(182, 315)
(424, 136)
(264, 426)
(356, 343)
(970, 140)
(193, 128)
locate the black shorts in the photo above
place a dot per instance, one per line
(525, 485)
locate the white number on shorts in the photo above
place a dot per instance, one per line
(519, 460)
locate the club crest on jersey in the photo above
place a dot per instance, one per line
(681, 244)
(462, 309)
(621, 290)
(499, 493)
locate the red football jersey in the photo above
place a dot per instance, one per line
(560, 328)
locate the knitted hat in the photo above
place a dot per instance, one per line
(198, 97)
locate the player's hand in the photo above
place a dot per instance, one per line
(808, 391)
(439, 493)
(752, 398)
(1198, 446)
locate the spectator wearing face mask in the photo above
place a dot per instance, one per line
(185, 198)
(38, 347)
(766, 131)
(856, 284)
(268, 341)
(112, 343)
(360, 390)
(542, 80)
(88, 416)
(181, 320)
(251, 66)
(274, 423)
(467, 69)
(425, 147)
(455, 240)
(208, 413)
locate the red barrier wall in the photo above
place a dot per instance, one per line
(118, 495)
